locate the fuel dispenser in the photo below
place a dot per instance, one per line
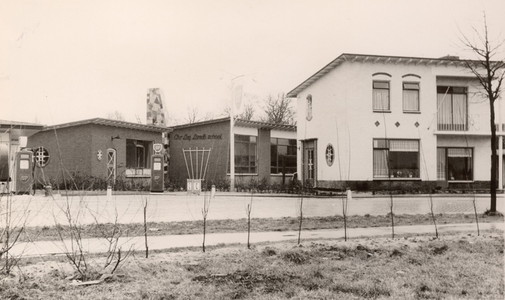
(157, 170)
(24, 172)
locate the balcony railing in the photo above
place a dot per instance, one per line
(452, 127)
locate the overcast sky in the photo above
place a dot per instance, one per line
(63, 61)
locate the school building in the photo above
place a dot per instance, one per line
(263, 151)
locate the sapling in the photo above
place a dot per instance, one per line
(476, 215)
(248, 212)
(300, 219)
(145, 228)
(205, 212)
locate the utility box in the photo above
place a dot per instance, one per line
(24, 174)
(157, 174)
(194, 186)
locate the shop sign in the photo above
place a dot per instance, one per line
(187, 137)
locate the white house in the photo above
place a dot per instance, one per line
(372, 120)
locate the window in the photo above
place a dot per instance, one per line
(282, 156)
(452, 108)
(381, 95)
(395, 158)
(138, 154)
(41, 156)
(410, 96)
(309, 107)
(455, 164)
(245, 154)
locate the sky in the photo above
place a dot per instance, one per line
(65, 61)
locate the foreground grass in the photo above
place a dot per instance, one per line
(257, 225)
(454, 267)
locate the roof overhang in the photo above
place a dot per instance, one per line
(376, 59)
(114, 123)
(17, 129)
(242, 123)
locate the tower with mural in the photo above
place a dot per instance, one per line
(155, 110)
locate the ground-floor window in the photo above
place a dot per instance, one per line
(455, 164)
(138, 154)
(282, 156)
(395, 158)
(245, 154)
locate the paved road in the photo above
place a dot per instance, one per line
(46, 211)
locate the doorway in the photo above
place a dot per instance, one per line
(309, 162)
(111, 166)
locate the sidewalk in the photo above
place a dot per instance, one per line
(181, 241)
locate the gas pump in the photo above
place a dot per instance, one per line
(157, 170)
(24, 174)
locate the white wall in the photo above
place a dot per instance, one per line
(343, 116)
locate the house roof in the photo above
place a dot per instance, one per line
(241, 123)
(108, 122)
(17, 129)
(348, 57)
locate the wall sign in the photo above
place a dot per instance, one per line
(99, 155)
(187, 137)
(41, 157)
(330, 155)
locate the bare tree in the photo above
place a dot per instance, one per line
(193, 115)
(490, 74)
(279, 110)
(115, 115)
(246, 114)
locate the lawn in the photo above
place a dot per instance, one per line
(457, 266)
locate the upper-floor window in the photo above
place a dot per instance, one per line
(381, 96)
(411, 96)
(452, 106)
(282, 156)
(309, 107)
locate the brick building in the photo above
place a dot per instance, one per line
(262, 151)
(100, 148)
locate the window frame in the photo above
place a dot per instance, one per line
(446, 168)
(381, 144)
(388, 109)
(309, 107)
(132, 148)
(252, 168)
(291, 144)
(450, 91)
(418, 96)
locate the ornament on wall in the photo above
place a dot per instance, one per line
(330, 154)
(99, 155)
(41, 156)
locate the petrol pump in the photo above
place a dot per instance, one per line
(24, 172)
(157, 170)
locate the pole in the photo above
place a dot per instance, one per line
(232, 147)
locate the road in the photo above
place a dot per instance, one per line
(169, 207)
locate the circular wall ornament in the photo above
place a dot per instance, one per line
(99, 155)
(41, 157)
(330, 154)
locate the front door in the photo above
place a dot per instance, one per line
(309, 161)
(111, 166)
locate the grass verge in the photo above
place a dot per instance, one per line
(48, 233)
(458, 266)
